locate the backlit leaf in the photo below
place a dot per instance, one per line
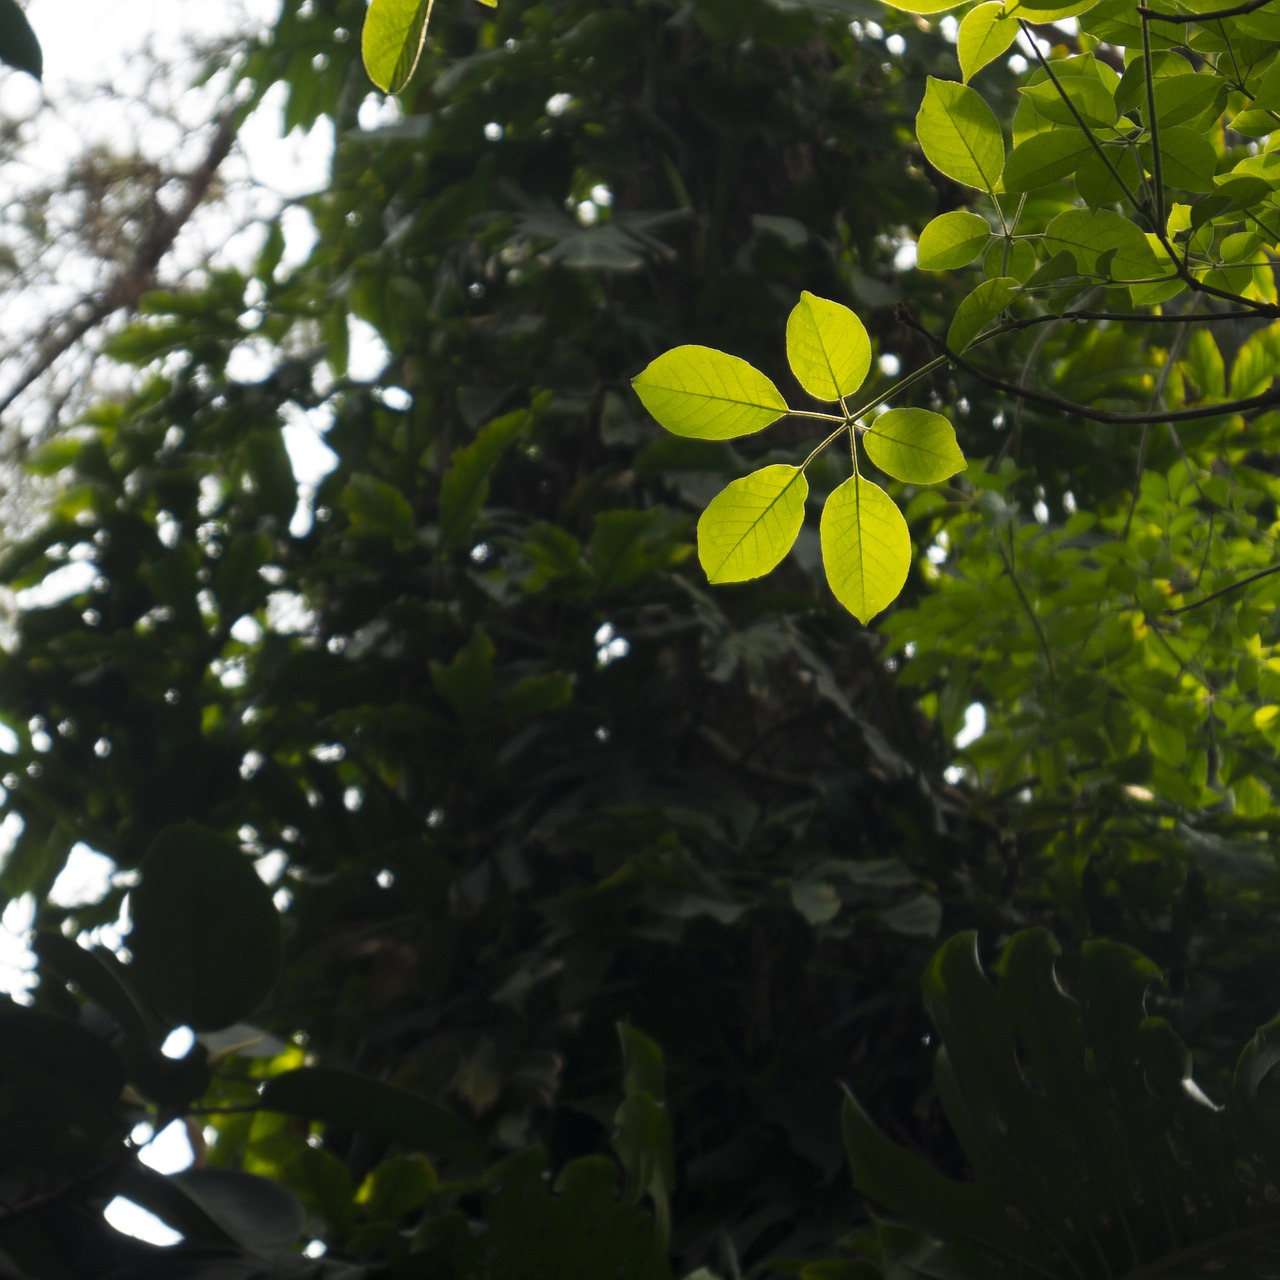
(959, 135)
(866, 549)
(827, 348)
(914, 445)
(952, 239)
(751, 524)
(695, 391)
(986, 31)
(1045, 158)
(394, 34)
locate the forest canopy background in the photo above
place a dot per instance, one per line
(476, 836)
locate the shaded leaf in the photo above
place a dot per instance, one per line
(206, 934)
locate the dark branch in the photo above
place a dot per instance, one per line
(1227, 590)
(1266, 400)
(1235, 11)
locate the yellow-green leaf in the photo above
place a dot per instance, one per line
(866, 549)
(827, 348)
(752, 523)
(394, 33)
(923, 6)
(959, 135)
(914, 445)
(978, 309)
(706, 394)
(1044, 158)
(986, 31)
(952, 239)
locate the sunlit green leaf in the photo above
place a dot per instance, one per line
(1045, 158)
(827, 348)
(695, 391)
(952, 239)
(914, 445)
(751, 524)
(394, 34)
(959, 135)
(986, 31)
(1094, 102)
(866, 549)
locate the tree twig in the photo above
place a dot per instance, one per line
(139, 274)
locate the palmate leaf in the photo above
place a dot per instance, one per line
(1094, 1153)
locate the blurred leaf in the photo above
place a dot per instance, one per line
(206, 934)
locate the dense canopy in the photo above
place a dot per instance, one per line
(758, 757)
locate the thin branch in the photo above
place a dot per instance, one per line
(1235, 11)
(1227, 590)
(139, 275)
(1265, 400)
(1012, 571)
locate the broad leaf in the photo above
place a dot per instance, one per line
(827, 348)
(866, 549)
(977, 310)
(914, 445)
(751, 524)
(986, 31)
(695, 391)
(952, 240)
(1093, 1152)
(959, 135)
(206, 934)
(18, 44)
(394, 34)
(1044, 158)
(1095, 103)
(465, 485)
(1088, 234)
(362, 1105)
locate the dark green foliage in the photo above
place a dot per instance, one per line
(1093, 1149)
